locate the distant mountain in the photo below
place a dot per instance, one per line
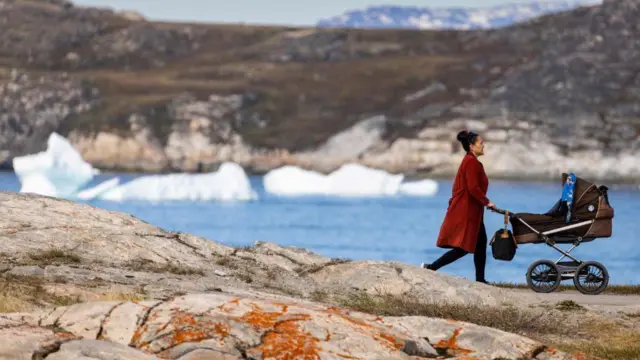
(449, 18)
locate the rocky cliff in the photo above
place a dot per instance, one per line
(77, 282)
(555, 94)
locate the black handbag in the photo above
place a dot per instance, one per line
(503, 244)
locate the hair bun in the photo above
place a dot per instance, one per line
(463, 136)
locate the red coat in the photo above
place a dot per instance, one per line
(466, 206)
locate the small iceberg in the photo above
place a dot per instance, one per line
(228, 183)
(96, 191)
(59, 171)
(350, 180)
(426, 187)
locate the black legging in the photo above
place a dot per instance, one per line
(479, 257)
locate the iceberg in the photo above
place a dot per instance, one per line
(228, 183)
(426, 187)
(58, 171)
(350, 180)
(94, 192)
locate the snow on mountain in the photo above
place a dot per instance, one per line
(450, 18)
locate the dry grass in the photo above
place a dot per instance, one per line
(248, 278)
(607, 341)
(505, 318)
(54, 256)
(319, 296)
(611, 289)
(286, 290)
(24, 293)
(27, 293)
(150, 266)
(568, 305)
(227, 261)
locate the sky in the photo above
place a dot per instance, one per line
(291, 12)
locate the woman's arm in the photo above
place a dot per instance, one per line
(472, 176)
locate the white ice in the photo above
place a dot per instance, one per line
(426, 187)
(228, 183)
(94, 192)
(350, 180)
(58, 171)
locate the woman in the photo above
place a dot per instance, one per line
(463, 228)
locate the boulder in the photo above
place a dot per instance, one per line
(246, 325)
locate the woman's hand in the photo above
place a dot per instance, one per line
(491, 205)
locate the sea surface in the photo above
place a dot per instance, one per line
(399, 228)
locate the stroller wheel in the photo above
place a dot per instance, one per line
(591, 278)
(543, 276)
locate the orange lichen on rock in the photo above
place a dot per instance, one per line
(551, 351)
(287, 342)
(390, 341)
(580, 356)
(188, 328)
(364, 327)
(260, 319)
(184, 327)
(137, 334)
(222, 330)
(227, 306)
(451, 344)
(337, 311)
(65, 335)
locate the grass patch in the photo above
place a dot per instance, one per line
(245, 277)
(272, 274)
(568, 305)
(227, 261)
(150, 266)
(55, 256)
(283, 289)
(505, 318)
(611, 289)
(319, 296)
(25, 293)
(608, 341)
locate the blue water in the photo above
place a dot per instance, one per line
(399, 228)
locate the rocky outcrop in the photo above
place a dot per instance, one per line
(186, 134)
(32, 107)
(80, 282)
(551, 95)
(92, 249)
(247, 326)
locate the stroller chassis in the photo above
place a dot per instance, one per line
(589, 277)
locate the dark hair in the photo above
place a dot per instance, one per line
(467, 138)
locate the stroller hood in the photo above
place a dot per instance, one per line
(591, 216)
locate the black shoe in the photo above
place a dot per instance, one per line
(483, 281)
(426, 266)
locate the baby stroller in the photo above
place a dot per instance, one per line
(582, 215)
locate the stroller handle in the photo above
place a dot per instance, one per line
(500, 211)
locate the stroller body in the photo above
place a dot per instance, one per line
(587, 216)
